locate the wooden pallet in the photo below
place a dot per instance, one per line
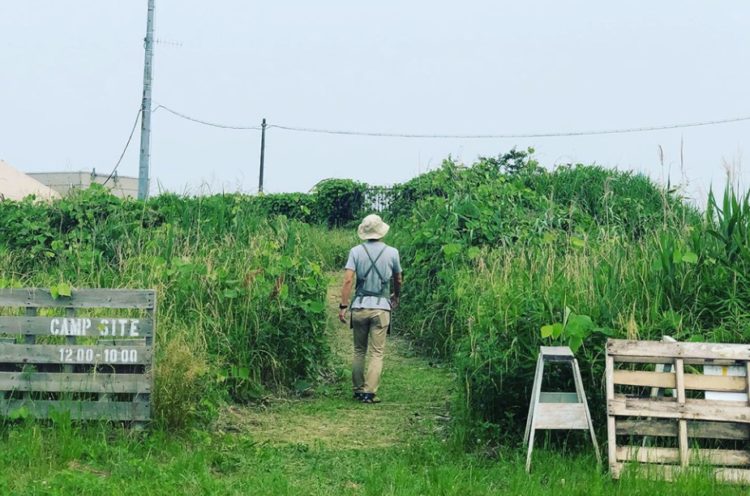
(88, 355)
(685, 423)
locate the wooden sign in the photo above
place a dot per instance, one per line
(88, 355)
(670, 433)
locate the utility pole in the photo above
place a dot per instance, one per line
(143, 179)
(262, 153)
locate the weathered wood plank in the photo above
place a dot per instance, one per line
(671, 472)
(79, 410)
(729, 411)
(75, 354)
(75, 382)
(682, 436)
(556, 353)
(670, 360)
(79, 326)
(644, 454)
(560, 416)
(666, 380)
(696, 429)
(81, 298)
(659, 349)
(611, 420)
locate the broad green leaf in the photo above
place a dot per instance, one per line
(557, 329)
(64, 289)
(677, 256)
(451, 249)
(577, 242)
(316, 306)
(575, 342)
(690, 257)
(547, 331)
(473, 252)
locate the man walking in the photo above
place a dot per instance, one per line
(373, 265)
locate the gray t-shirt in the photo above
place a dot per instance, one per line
(388, 264)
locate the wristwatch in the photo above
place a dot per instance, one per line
(342, 306)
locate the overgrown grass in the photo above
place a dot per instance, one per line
(502, 257)
(320, 444)
(241, 299)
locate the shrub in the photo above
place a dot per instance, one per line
(339, 201)
(504, 256)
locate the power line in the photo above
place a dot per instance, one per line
(502, 136)
(206, 123)
(127, 144)
(461, 136)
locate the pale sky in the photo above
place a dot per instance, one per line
(72, 80)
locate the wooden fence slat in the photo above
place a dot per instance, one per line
(81, 326)
(666, 380)
(671, 472)
(75, 382)
(75, 354)
(728, 411)
(660, 349)
(682, 437)
(645, 454)
(79, 410)
(81, 298)
(696, 429)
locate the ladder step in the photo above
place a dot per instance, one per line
(558, 397)
(556, 353)
(560, 416)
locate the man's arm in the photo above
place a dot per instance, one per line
(346, 292)
(398, 280)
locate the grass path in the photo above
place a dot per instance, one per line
(415, 393)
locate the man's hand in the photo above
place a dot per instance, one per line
(394, 302)
(342, 315)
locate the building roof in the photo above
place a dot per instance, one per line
(15, 185)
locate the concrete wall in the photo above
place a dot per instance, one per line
(64, 182)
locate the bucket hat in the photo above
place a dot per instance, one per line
(372, 227)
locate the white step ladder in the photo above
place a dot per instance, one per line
(559, 410)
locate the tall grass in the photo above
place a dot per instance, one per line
(495, 256)
(241, 299)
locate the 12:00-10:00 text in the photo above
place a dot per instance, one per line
(89, 355)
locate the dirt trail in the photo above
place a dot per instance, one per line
(415, 397)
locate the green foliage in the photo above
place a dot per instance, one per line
(339, 201)
(504, 256)
(241, 297)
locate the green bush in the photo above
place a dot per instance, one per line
(504, 256)
(338, 202)
(241, 298)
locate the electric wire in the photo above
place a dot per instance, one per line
(206, 123)
(127, 144)
(506, 136)
(460, 136)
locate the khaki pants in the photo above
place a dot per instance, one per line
(370, 326)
